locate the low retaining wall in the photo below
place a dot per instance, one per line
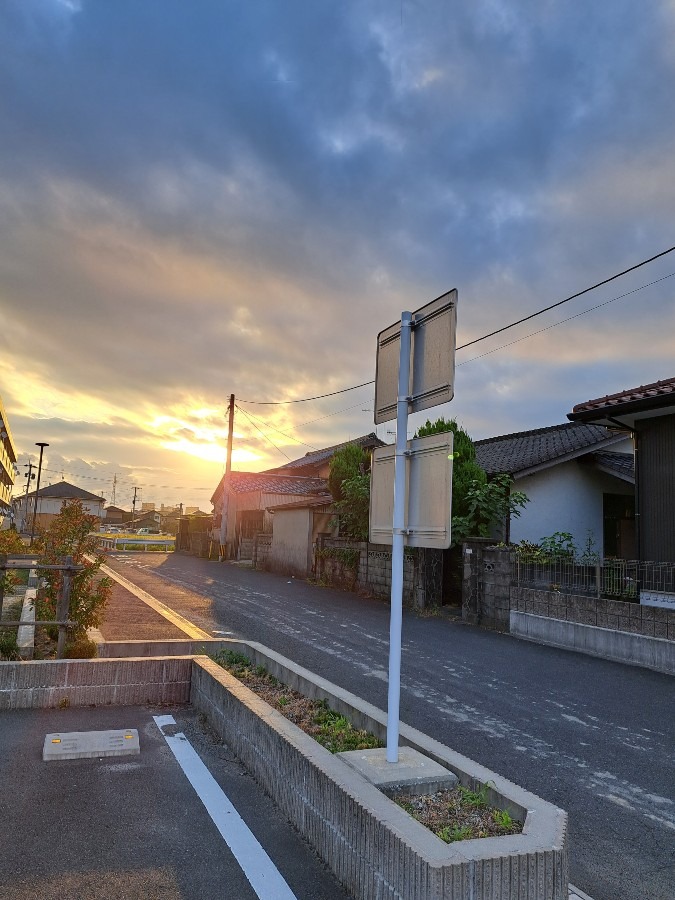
(636, 618)
(376, 849)
(619, 646)
(87, 682)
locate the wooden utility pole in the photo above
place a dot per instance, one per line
(223, 554)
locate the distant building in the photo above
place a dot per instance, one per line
(50, 500)
(115, 515)
(147, 507)
(191, 510)
(7, 463)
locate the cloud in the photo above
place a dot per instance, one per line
(204, 199)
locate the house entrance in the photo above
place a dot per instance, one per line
(618, 539)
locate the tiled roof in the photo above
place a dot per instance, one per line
(650, 394)
(62, 490)
(317, 457)
(620, 464)
(323, 500)
(269, 483)
(512, 453)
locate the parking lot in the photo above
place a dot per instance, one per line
(134, 826)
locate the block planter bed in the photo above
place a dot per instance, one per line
(375, 848)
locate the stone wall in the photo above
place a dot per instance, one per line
(354, 566)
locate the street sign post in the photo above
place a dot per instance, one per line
(428, 492)
(424, 342)
(432, 360)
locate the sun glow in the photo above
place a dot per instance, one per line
(209, 452)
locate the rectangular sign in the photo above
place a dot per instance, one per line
(432, 368)
(657, 598)
(428, 492)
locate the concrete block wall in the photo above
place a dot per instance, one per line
(618, 615)
(374, 848)
(85, 682)
(261, 550)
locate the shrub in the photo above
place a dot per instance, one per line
(70, 534)
(9, 649)
(81, 648)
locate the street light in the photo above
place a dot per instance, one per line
(42, 446)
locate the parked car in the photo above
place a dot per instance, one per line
(147, 531)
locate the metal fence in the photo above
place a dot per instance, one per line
(614, 579)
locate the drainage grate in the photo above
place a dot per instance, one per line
(91, 744)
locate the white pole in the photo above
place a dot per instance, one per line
(398, 540)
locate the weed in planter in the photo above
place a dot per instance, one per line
(329, 728)
(459, 814)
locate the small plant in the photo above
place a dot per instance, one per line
(478, 798)
(455, 833)
(502, 818)
(9, 649)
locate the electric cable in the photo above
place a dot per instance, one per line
(484, 337)
(243, 411)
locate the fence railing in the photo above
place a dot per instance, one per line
(69, 569)
(614, 579)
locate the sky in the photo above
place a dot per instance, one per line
(215, 197)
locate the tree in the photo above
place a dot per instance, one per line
(349, 484)
(478, 503)
(70, 534)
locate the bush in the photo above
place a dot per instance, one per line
(81, 648)
(9, 649)
(70, 534)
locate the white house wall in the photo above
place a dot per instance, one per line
(566, 497)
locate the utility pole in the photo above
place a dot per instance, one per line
(226, 484)
(114, 486)
(41, 445)
(133, 509)
(29, 476)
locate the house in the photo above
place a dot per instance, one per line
(647, 415)
(578, 478)
(115, 515)
(296, 527)
(7, 463)
(50, 500)
(316, 463)
(251, 495)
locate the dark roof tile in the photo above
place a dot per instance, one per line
(513, 453)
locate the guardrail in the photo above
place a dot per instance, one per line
(117, 542)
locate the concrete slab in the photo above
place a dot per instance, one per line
(414, 774)
(90, 744)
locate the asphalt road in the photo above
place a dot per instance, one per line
(594, 737)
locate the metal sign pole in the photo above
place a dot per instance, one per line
(398, 540)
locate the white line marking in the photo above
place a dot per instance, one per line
(262, 874)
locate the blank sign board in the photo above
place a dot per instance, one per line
(428, 492)
(432, 365)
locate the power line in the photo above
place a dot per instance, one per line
(263, 433)
(562, 321)
(306, 399)
(486, 336)
(567, 299)
(276, 431)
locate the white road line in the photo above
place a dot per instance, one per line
(262, 874)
